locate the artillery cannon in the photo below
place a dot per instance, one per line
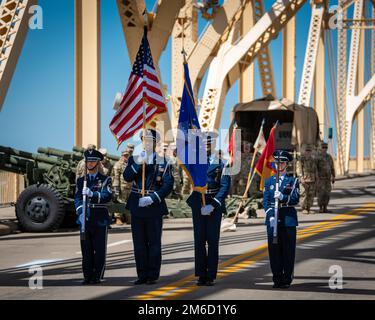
(48, 198)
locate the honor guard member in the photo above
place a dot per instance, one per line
(282, 254)
(147, 211)
(207, 219)
(80, 170)
(98, 192)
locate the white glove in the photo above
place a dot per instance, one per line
(206, 210)
(117, 102)
(272, 222)
(142, 157)
(87, 192)
(278, 195)
(145, 201)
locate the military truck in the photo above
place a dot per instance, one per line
(48, 198)
(297, 124)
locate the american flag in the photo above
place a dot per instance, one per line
(143, 91)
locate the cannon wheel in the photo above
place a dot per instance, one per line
(40, 208)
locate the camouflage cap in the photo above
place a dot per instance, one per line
(91, 147)
(130, 146)
(103, 151)
(308, 147)
(126, 152)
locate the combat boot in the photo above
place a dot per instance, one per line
(119, 221)
(326, 210)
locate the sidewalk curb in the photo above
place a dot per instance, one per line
(355, 175)
(7, 227)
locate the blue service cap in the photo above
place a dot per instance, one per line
(282, 156)
(93, 155)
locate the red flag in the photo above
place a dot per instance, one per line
(264, 165)
(231, 146)
(143, 91)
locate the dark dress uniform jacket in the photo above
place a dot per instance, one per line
(218, 188)
(97, 213)
(158, 180)
(287, 212)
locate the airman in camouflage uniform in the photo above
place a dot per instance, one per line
(186, 183)
(307, 173)
(106, 164)
(122, 188)
(177, 175)
(326, 177)
(240, 179)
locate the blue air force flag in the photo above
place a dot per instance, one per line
(191, 150)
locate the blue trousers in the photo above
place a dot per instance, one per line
(206, 232)
(282, 254)
(94, 249)
(147, 234)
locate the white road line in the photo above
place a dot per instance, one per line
(38, 263)
(113, 244)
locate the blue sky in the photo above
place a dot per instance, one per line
(39, 107)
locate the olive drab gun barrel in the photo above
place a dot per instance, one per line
(50, 183)
(76, 156)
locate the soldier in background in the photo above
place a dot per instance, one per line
(326, 177)
(177, 175)
(307, 173)
(240, 179)
(122, 188)
(186, 183)
(80, 170)
(106, 165)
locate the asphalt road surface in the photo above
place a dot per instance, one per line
(329, 245)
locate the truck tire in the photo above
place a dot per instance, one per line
(40, 208)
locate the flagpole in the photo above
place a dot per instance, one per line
(184, 54)
(145, 14)
(256, 149)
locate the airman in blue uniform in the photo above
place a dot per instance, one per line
(207, 219)
(94, 241)
(147, 211)
(282, 253)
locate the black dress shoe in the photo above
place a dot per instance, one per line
(151, 281)
(201, 281)
(140, 281)
(96, 281)
(85, 282)
(210, 282)
(276, 285)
